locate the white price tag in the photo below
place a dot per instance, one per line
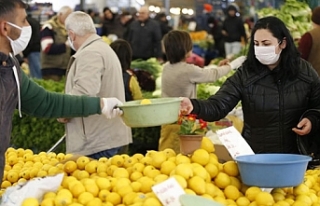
(234, 142)
(168, 192)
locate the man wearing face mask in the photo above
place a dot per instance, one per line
(55, 49)
(17, 91)
(94, 70)
(275, 87)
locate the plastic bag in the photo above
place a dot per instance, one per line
(36, 188)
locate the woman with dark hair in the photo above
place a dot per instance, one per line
(275, 87)
(124, 52)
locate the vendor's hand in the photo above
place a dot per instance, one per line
(185, 106)
(63, 120)
(109, 107)
(223, 62)
(303, 127)
(235, 64)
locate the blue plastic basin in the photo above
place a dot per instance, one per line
(272, 170)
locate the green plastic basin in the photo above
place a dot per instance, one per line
(160, 111)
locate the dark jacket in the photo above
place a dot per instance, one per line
(235, 29)
(271, 107)
(145, 39)
(112, 26)
(34, 43)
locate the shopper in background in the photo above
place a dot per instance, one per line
(55, 49)
(144, 36)
(275, 87)
(18, 91)
(309, 44)
(32, 53)
(180, 79)
(126, 19)
(111, 23)
(233, 30)
(124, 52)
(94, 70)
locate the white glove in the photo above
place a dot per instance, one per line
(110, 109)
(235, 64)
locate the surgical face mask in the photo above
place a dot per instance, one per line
(71, 43)
(21, 43)
(266, 54)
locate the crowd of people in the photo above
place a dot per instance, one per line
(275, 85)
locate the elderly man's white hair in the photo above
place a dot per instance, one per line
(80, 23)
(64, 10)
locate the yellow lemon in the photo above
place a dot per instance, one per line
(117, 160)
(82, 161)
(138, 167)
(136, 186)
(207, 145)
(231, 168)
(92, 188)
(211, 189)
(114, 198)
(91, 167)
(103, 194)
(94, 202)
(135, 176)
(184, 170)
(264, 198)
(200, 156)
(145, 101)
(130, 162)
(85, 197)
(146, 161)
(128, 199)
(49, 195)
(252, 192)
(243, 201)
(180, 158)
(152, 201)
(158, 158)
(5, 184)
(167, 167)
(30, 202)
(103, 183)
(200, 171)
(181, 180)
(169, 152)
(12, 176)
(212, 169)
(120, 172)
(48, 202)
(160, 178)
(236, 182)
(197, 184)
(232, 192)
(222, 180)
(62, 200)
(301, 189)
(146, 184)
(138, 156)
(77, 189)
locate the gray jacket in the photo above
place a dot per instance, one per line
(95, 71)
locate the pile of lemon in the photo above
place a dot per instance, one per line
(127, 180)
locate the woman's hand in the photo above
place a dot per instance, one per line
(303, 127)
(185, 106)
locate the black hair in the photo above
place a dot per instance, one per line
(124, 52)
(289, 57)
(7, 8)
(177, 44)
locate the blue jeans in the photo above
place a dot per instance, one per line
(34, 65)
(106, 153)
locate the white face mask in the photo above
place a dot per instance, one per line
(266, 54)
(21, 43)
(71, 44)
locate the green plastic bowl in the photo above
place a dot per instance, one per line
(160, 111)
